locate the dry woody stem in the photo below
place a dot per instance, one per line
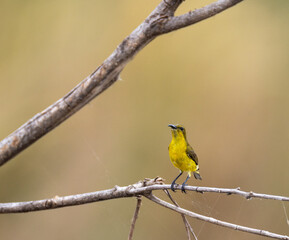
(160, 21)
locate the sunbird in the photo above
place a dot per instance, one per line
(182, 155)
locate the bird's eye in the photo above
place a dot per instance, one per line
(181, 128)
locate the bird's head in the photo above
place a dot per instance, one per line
(178, 130)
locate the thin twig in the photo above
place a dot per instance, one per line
(188, 226)
(216, 221)
(285, 212)
(227, 191)
(135, 216)
(236, 191)
(160, 21)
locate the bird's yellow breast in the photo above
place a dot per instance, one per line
(179, 157)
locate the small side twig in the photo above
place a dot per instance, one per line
(135, 216)
(188, 226)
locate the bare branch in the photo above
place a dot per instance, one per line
(216, 221)
(160, 21)
(135, 216)
(228, 191)
(134, 190)
(141, 188)
(236, 191)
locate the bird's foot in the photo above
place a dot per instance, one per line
(173, 187)
(183, 188)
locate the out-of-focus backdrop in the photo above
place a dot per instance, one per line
(225, 79)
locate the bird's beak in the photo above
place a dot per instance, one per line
(172, 126)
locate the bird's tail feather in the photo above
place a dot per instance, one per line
(197, 175)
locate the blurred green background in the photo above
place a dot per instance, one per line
(225, 79)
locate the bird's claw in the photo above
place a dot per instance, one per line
(183, 188)
(172, 187)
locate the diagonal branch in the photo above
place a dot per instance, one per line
(188, 226)
(216, 221)
(160, 21)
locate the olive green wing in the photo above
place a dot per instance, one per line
(192, 155)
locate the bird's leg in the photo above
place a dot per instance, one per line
(184, 184)
(173, 183)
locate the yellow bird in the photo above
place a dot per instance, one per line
(182, 155)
